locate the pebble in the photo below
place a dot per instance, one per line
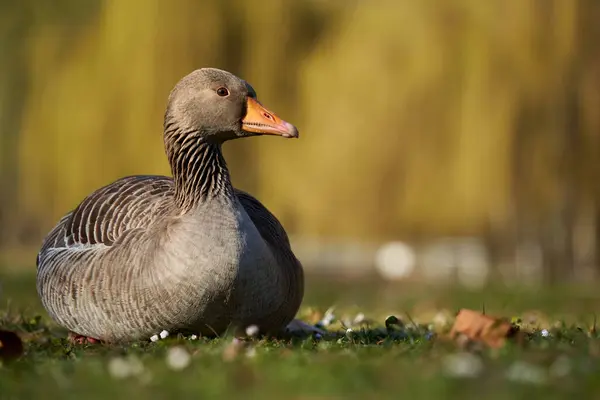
(392, 320)
(154, 338)
(164, 334)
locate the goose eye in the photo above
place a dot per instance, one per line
(222, 92)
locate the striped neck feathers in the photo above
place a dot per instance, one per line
(198, 167)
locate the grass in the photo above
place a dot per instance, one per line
(374, 361)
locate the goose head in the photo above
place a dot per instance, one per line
(219, 106)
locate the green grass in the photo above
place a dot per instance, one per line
(406, 361)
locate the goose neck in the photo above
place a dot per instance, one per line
(198, 167)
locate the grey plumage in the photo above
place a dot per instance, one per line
(188, 253)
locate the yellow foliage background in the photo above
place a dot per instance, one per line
(417, 118)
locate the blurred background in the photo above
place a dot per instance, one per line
(441, 141)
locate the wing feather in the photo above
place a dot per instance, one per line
(274, 234)
(136, 202)
(267, 224)
(106, 214)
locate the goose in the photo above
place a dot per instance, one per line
(188, 253)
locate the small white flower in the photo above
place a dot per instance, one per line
(252, 330)
(178, 358)
(441, 319)
(251, 352)
(359, 319)
(136, 365)
(328, 318)
(164, 334)
(545, 333)
(154, 338)
(145, 378)
(463, 365)
(561, 367)
(526, 373)
(349, 333)
(194, 337)
(121, 367)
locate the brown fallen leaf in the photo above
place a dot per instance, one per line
(11, 346)
(482, 328)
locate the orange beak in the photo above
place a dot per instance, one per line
(262, 121)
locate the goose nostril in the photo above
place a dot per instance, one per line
(268, 116)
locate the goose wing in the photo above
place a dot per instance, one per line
(105, 215)
(277, 239)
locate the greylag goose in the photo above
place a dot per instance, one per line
(189, 253)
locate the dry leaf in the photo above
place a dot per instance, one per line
(482, 328)
(11, 346)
